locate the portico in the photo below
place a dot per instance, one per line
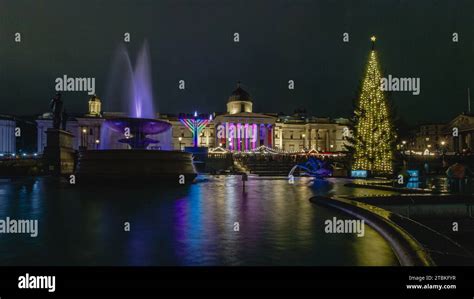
(241, 129)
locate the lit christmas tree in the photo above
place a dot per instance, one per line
(374, 133)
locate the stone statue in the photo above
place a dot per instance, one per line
(57, 109)
(64, 120)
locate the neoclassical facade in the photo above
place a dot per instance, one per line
(240, 129)
(294, 133)
(7, 135)
(459, 133)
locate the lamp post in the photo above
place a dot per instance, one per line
(443, 147)
(180, 139)
(83, 139)
(97, 141)
(304, 140)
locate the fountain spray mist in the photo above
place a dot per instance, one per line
(129, 88)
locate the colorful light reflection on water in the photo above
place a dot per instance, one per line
(191, 225)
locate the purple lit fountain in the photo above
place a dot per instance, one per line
(137, 96)
(132, 89)
(139, 128)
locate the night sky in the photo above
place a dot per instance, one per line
(279, 41)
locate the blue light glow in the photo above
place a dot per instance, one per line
(359, 173)
(414, 175)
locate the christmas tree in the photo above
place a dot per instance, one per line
(374, 133)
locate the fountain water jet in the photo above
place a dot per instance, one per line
(137, 95)
(136, 98)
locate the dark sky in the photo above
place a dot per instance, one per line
(279, 41)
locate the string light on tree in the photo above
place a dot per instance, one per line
(374, 132)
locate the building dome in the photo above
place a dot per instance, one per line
(239, 94)
(239, 101)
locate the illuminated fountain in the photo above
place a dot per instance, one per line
(136, 130)
(132, 88)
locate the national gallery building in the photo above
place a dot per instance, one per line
(240, 129)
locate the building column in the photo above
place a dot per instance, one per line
(269, 135)
(310, 131)
(234, 137)
(281, 138)
(327, 140)
(237, 136)
(332, 140)
(316, 139)
(257, 143)
(306, 138)
(264, 137)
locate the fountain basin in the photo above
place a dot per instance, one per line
(138, 128)
(135, 165)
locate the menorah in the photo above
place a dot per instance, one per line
(195, 125)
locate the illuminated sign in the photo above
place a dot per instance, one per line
(359, 173)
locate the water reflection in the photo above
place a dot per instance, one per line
(443, 184)
(191, 225)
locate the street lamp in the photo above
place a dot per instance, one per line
(443, 148)
(83, 139)
(304, 140)
(180, 139)
(97, 141)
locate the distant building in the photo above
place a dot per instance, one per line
(427, 139)
(457, 136)
(86, 128)
(239, 129)
(293, 133)
(7, 135)
(460, 133)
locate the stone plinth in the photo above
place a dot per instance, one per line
(59, 153)
(134, 165)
